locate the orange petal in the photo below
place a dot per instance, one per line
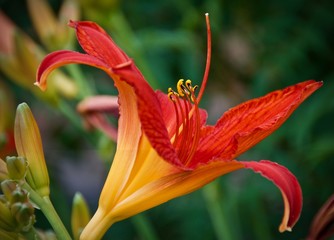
(150, 113)
(289, 186)
(243, 126)
(172, 186)
(129, 133)
(154, 193)
(129, 129)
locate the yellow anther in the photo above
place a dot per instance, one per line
(188, 84)
(171, 96)
(183, 89)
(170, 90)
(180, 87)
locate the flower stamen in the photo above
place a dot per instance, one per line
(188, 121)
(187, 127)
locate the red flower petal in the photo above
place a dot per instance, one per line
(243, 126)
(96, 42)
(289, 186)
(60, 58)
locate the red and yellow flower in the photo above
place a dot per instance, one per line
(164, 148)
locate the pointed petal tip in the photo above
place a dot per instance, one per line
(316, 83)
(252, 121)
(311, 86)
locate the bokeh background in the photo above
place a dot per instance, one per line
(257, 47)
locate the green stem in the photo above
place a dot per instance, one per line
(144, 227)
(50, 213)
(217, 215)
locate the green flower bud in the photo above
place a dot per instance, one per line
(8, 235)
(7, 221)
(24, 214)
(17, 167)
(29, 144)
(3, 171)
(3, 199)
(15, 208)
(8, 187)
(80, 215)
(19, 195)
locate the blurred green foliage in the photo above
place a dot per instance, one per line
(257, 47)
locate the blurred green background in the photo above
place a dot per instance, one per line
(257, 47)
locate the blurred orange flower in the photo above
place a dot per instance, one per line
(19, 60)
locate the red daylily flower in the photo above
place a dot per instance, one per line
(164, 148)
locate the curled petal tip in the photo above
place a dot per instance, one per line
(43, 88)
(283, 228)
(289, 187)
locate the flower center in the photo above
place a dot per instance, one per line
(187, 127)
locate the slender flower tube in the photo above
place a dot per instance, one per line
(164, 148)
(29, 145)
